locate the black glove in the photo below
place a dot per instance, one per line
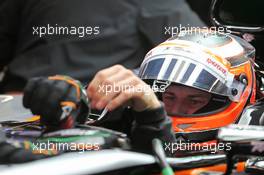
(10, 154)
(59, 100)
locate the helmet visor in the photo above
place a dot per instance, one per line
(205, 74)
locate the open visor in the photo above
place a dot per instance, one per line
(198, 71)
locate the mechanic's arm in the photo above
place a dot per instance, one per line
(151, 124)
(117, 86)
(8, 30)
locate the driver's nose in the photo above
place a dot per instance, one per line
(179, 108)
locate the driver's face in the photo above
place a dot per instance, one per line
(184, 100)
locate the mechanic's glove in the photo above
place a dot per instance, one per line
(60, 101)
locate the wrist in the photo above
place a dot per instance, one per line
(148, 102)
(150, 115)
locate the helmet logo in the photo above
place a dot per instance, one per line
(216, 65)
(160, 86)
(66, 111)
(184, 126)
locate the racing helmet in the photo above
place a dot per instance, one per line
(218, 63)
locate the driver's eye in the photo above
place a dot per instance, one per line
(196, 102)
(169, 97)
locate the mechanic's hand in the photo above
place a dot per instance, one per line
(59, 100)
(117, 86)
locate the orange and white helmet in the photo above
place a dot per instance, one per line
(218, 63)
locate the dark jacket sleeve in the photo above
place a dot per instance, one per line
(141, 127)
(8, 29)
(148, 125)
(159, 21)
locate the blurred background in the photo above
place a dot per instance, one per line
(117, 32)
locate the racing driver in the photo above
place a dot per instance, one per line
(204, 80)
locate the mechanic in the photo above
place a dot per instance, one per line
(47, 37)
